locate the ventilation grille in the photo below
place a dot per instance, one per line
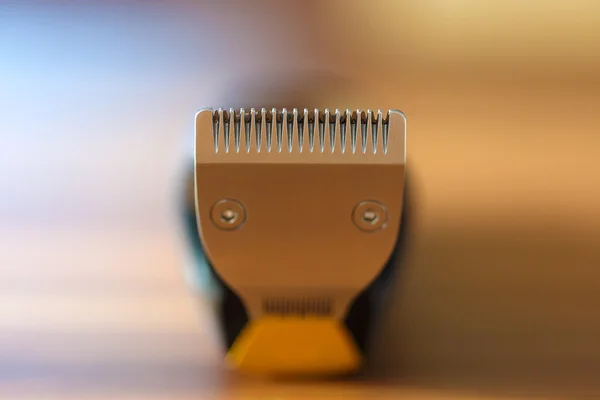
(298, 307)
(280, 131)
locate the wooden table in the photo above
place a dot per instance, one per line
(113, 318)
(105, 313)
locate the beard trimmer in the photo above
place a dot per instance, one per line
(298, 216)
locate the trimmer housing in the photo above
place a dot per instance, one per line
(298, 214)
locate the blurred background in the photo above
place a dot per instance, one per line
(500, 294)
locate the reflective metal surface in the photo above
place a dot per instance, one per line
(299, 238)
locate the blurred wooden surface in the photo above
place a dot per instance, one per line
(107, 315)
(104, 313)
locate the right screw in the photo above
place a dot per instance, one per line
(369, 216)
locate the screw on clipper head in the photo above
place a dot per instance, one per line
(369, 216)
(228, 214)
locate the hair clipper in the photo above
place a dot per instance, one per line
(298, 216)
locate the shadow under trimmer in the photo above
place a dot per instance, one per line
(298, 214)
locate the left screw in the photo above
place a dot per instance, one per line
(228, 214)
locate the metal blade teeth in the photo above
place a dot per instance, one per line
(315, 131)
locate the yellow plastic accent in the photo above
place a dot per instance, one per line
(295, 346)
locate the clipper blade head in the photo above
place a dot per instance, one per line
(305, 136)
(299, 211)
